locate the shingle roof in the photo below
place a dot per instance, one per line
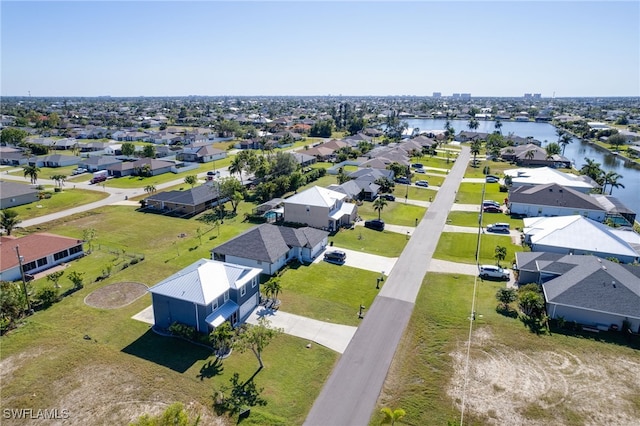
(13, 189)
(554, 195)
(268, 243)
(191, 197)
(32, 247)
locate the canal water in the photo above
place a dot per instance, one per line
(575, 151)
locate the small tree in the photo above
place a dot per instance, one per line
(222, 337)
(256, 338)
(88, 235)
(378, 205)
(128, 149)
(191, 180)
(272, 288)
(174, 415)
(391, 417)
(506, 296)
(500, 253)
(54, 277)
(76, 279)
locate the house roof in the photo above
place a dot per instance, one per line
(553, 195)
(204, 281)
(545, 175)
(192, 197)
(32, 247)
(595, 284)
(12, 189)
(316, 196)
(578, 233)
(268, 243)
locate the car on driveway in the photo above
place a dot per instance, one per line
(490, 203)
(422, 171)
(498, 227)
(492, 271)
(492, 179)
(422, 183)
(388, 197)
(491, 209)
(417, 165)
(376, 224)
(335, 256)
(404, 180)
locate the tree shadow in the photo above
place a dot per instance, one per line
(175, 354)
(507, 312)
(211, 369)
(533, 324)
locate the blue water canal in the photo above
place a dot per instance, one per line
(575, 151)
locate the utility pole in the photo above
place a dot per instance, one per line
(24, 282)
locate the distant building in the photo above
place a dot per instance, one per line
(437, 94)
(527, 95)
(537, 96)
(465, 96)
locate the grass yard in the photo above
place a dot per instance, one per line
(459, 218)
(460, 247)
(471, 193)
(515, 376)
(385, 243)
(495, 168)
(414, 193)
(328, 292)
(68, 198)
(395, 212)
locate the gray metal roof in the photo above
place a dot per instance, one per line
(553, 195)
(191, 197)
(13, 189)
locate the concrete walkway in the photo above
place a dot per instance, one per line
(363, 260)
(332, 336)
(351, 391)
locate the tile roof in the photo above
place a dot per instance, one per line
(32, 247)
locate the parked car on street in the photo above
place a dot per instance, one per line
(335, 256)
(422, 183)
(79, 171)
(404, 180)
(376, 224)
(492, 271)
(417, 165)
(422, 171)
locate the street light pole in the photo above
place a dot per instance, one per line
(24, 282)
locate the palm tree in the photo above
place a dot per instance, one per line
(9, 220)
(473, 124)
(379, 205)
(500, 253)
(475, 150)
(221, 337)
(32, 172)
(498, 125)
(565, 140)
(272, 288)
(592, 169)
(59, 179)
(611, 178)
(149, 189)
(236, 166)
(552, 149)
(191, 180)
(390, 417)
(530, 154)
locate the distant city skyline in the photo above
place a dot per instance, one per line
(305, 48)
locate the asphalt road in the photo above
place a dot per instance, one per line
(350, 394)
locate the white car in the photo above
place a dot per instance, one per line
(492, 271)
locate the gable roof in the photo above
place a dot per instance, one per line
(316, 196)
(545, 175)
(192, 197)
(32, 247)
(12, 189)
(268, 243)
(204, 281)
(554, 195)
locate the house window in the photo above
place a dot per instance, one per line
(76, 249)
(42, 262)
(214, 305)
(243, 290)
(254, 281)
(61, 255)
(226, 295)
(259, 262)
(29, 266)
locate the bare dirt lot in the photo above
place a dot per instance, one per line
(115, 295)
(536, 387)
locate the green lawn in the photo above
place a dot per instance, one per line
(471, 193)
(68, 198)
(495, 168)
(413, 192)
(395, 212)
(385, 243)
(422, 370)
(328, 292)
(460, 247)
(459, 218)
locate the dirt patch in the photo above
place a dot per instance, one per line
(10, 364)
(115, 295)
(505, 386)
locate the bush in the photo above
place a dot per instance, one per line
(183, 330)
(47, 296)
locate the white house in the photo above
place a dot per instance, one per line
(579, 235)
(546, 175)
(320, 208)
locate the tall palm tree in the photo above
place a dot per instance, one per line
(59, 179)
(149, 189)
(32, 172)
(9, 220)
(236, 166)
(473, 124)
(552, 149)
(611, 178)
(592, 169)
(498, 125)
(565, 140)
(530, 154)
(272, 288)
(476, 146)
(500, 253)
(379, 205)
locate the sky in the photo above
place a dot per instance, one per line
(315, 48)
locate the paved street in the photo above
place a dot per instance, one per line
(350, 394)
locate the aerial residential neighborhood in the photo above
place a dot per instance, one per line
(202, 234)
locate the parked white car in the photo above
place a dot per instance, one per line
(492, 271)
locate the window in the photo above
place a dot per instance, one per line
(243, 290)
(61, 255)
(226, 295)
(29, 266)
(42, 262)
(76, 249)
(214, 305)
(254, 281)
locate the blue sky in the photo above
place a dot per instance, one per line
(163, 48)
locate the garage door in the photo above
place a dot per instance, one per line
(248, 306)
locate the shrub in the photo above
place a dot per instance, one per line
(183, 330)
(47, 296)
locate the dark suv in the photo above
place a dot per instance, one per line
(375, 224)
(335, 256)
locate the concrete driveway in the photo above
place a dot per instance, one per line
(360, 260)
(332, 336)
